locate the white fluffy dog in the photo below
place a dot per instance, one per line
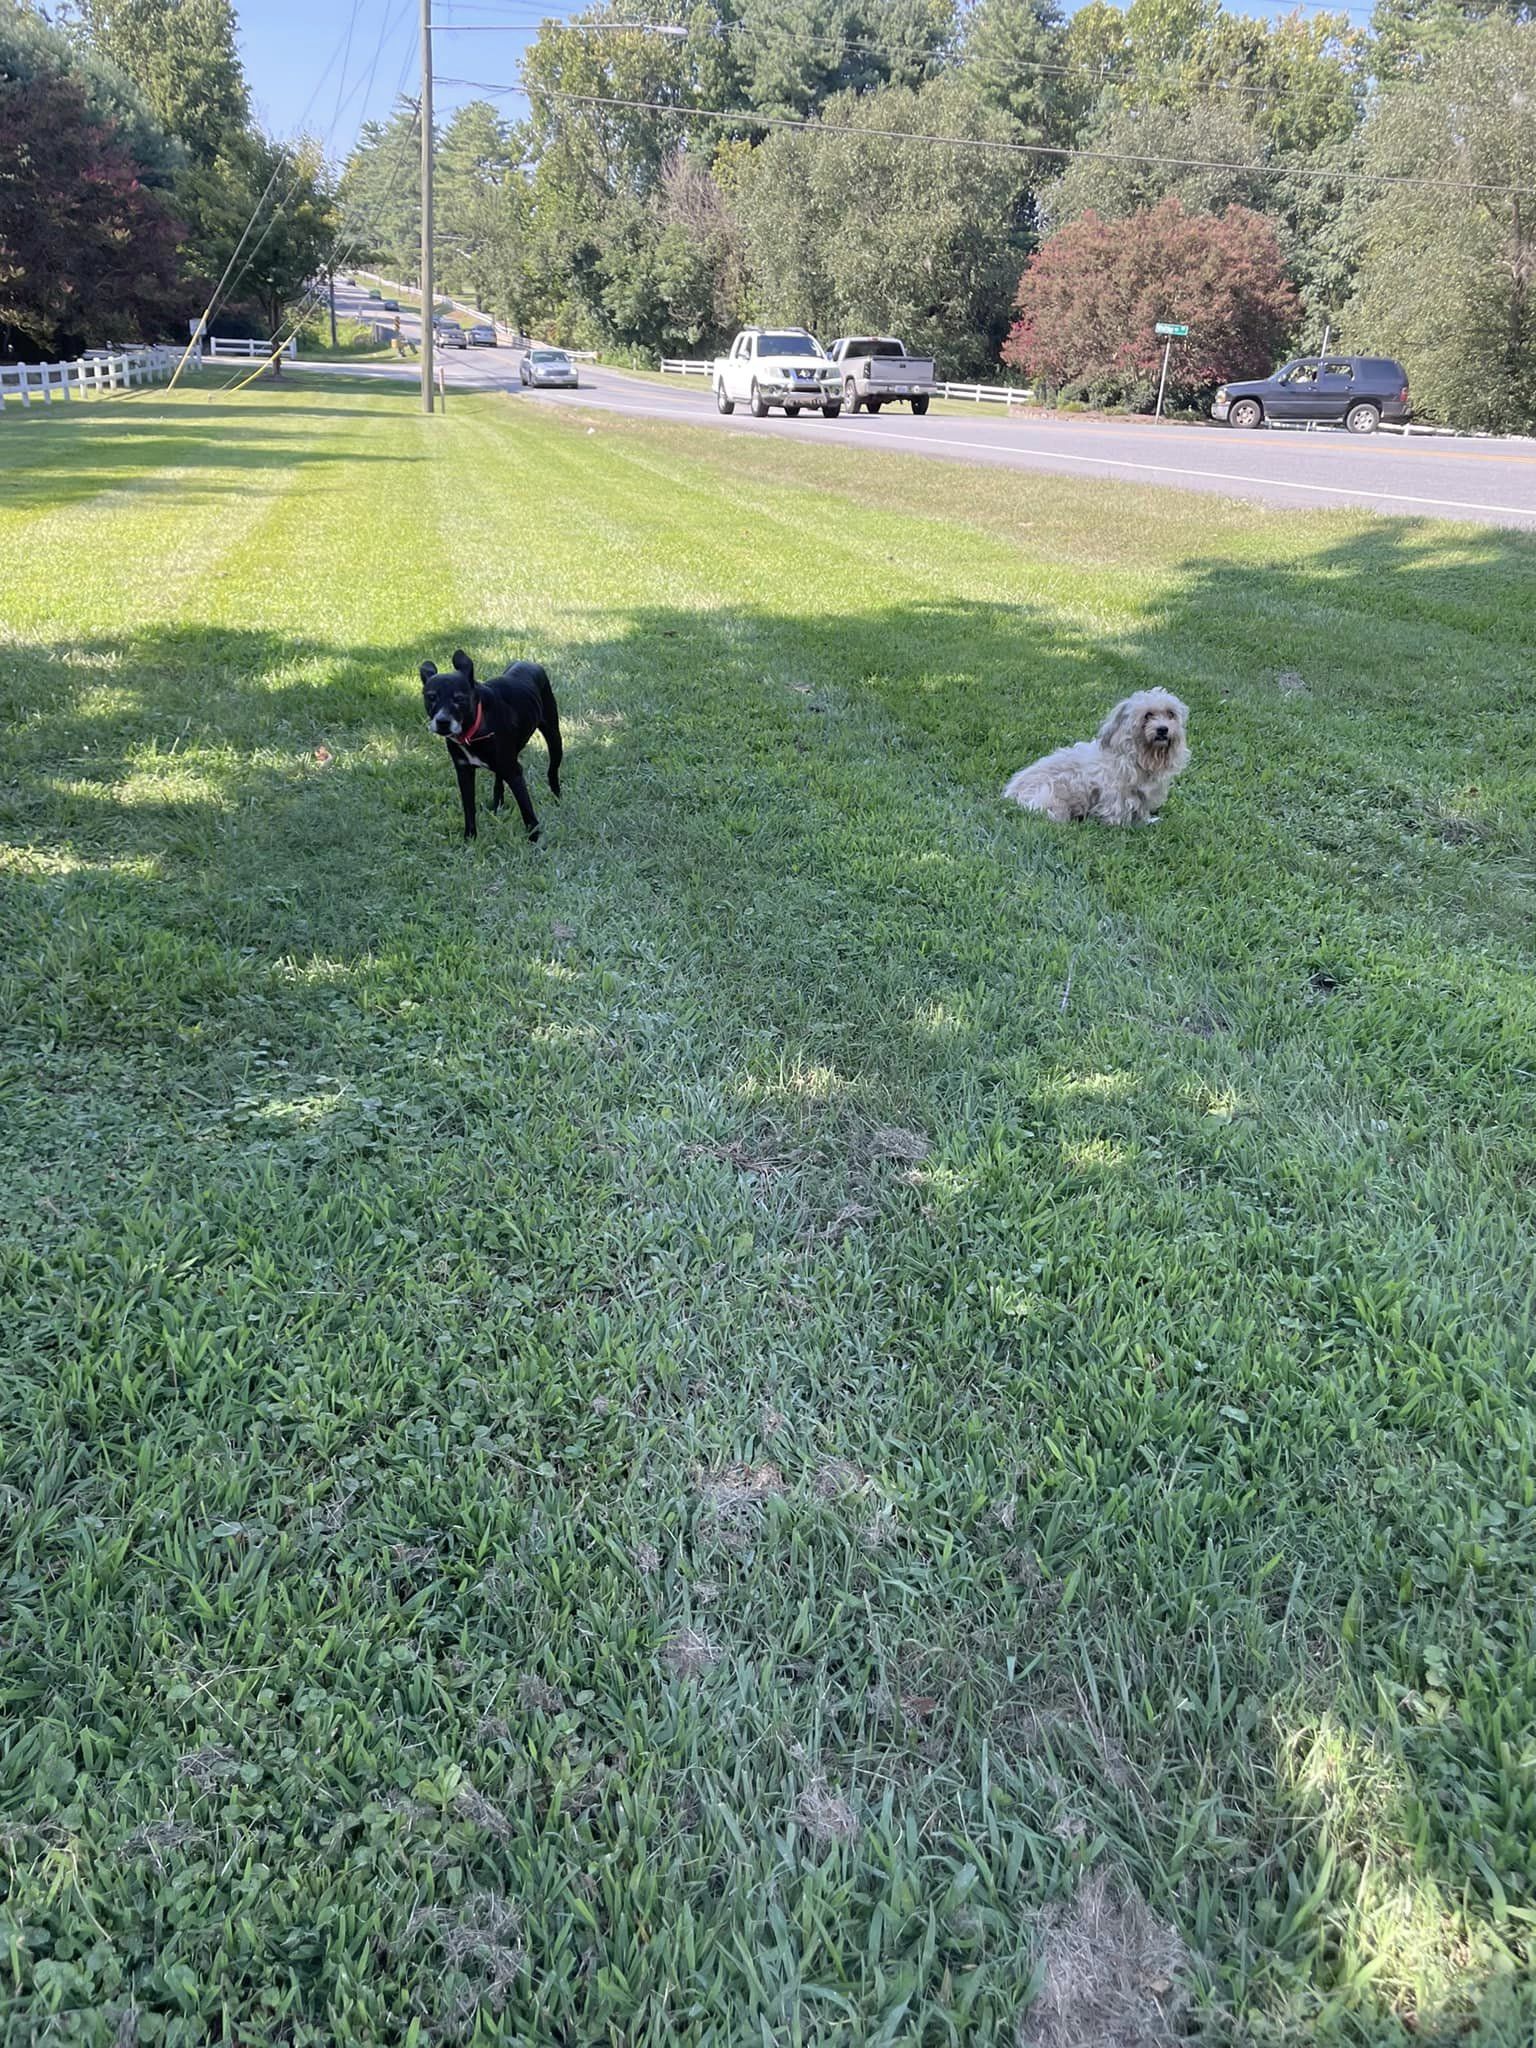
(1120, 778)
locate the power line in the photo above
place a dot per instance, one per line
(300, 168)
(340, 255)
(745, 117)
(231, 277)
(1105, 76)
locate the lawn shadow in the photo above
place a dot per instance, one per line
(250, 795)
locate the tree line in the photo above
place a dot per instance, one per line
(997, 182)
(130, 169)
(994, 181)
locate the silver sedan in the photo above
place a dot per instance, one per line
(544, 366)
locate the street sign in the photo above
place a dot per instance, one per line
(1166, 327)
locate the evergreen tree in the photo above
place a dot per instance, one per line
(182, 55)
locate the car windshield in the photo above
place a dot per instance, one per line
(874, 348)
(548, 355)
(789, 345)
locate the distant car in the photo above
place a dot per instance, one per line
(1355, 392)
(391, 305)
(449, 334)
(482, 337)
(547, 366)
(374, 292)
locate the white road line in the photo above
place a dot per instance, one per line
(1386, 495)
(1278, 483)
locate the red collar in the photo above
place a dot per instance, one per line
(464, 738)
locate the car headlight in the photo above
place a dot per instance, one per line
(1221, 392)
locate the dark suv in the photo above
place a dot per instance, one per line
(1356, 392)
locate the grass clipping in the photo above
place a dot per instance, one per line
(1111, 1975)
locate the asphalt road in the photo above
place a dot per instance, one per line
(1491, 482)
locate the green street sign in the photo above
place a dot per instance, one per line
(1165, 327)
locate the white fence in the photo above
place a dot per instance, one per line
(217, 347)
(101, 372)
(984, 394)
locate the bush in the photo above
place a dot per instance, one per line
(1090, 301)
(353, 338)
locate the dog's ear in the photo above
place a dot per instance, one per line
(463, 664)
(1116, 723)
(428, 671)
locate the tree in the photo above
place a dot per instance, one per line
(87, 249)
(1298, 81)
(294, 233)
(880, 227)
(380, 192)
(1132, 162)
(182, 55)
(1015, 56)
(1089, 303)
(1447, 277)
(474, 170)
(795, 55)
(1407, 36)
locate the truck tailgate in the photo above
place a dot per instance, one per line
(900, 370)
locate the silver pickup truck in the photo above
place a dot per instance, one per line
(876, 368)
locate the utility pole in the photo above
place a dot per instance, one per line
(428, 293)
(331, 282)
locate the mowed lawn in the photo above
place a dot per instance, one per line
(816, 1412)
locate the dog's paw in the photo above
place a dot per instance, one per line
(535, 835)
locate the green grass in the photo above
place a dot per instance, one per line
(354, 340)
(816, 1410)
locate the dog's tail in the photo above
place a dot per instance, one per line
(549, 725)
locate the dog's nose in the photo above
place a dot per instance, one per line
(1161, 732)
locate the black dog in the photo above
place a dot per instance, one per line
(487, 725)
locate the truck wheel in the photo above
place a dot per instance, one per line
(851, 396)
(873, 404)
(830, 412)
(791, 412)
(759, 404)
(919, 406)
(722, 403)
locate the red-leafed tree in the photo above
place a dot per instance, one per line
(87, 252)
(1089, 303)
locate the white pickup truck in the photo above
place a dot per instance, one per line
(876, 368)
(784, 366)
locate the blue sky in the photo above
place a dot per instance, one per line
(288, 45)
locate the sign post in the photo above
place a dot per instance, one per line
(1173, 333)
